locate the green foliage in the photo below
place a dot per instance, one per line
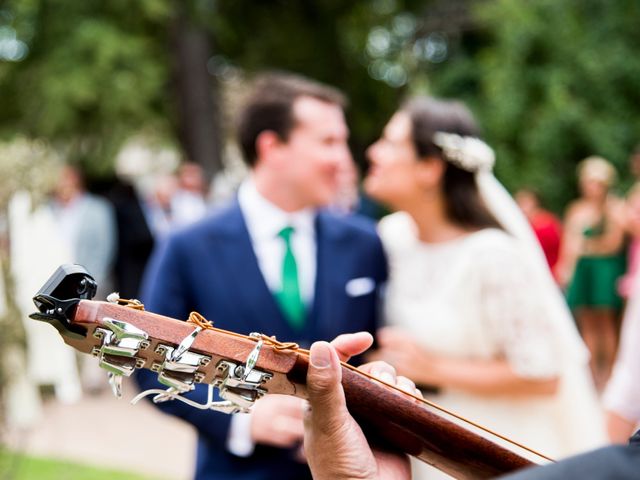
(324, 40)
(552, 82)
(95, 73)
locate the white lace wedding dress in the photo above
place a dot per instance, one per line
(475, 298)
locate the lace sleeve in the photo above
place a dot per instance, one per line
(514, 315)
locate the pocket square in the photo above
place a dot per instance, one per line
(357, 287)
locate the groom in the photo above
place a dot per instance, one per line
(272, 261)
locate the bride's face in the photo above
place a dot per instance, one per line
(393, 175)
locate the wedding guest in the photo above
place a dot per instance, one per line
(545, 225)
(87, 223)
(592, 260)
(188, 203)
(632, 228)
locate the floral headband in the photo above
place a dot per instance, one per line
(468, 153)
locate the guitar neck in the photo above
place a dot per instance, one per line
(388, 417)
(400, 422)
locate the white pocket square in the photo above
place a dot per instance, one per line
(357, 287)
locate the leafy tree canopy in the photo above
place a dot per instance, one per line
(552, 83)
(92, 73)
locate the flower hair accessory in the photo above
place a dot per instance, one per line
(468, 153)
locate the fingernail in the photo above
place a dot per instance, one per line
(320, 355)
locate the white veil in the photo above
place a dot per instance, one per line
(474, 155)
(507, 212)
(580, 425)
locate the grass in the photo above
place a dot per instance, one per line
(15, 466)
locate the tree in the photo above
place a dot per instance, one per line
(95, 73)
(91, 74)
(552, 82)
(324, 40)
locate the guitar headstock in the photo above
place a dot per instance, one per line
(124, 338)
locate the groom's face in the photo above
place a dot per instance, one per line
(314, 151)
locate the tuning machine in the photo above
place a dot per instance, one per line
(117, 353)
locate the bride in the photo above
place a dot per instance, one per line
(471, 308)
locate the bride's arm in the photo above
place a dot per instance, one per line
(484, 377)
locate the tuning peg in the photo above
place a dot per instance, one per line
(115, 381)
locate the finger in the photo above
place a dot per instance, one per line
(326, 397)
(407, 385)
(382, 371)
(349, 344)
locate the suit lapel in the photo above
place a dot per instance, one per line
(246, 283)
(324, 311)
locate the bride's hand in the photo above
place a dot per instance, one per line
(409, 359)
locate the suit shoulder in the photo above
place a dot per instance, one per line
(217, 222)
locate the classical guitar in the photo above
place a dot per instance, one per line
(242, 368)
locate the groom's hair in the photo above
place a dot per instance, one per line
(270, 107)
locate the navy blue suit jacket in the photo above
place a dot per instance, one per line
(211, 268)
(615, 462)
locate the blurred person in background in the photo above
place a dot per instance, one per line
(632, 227)
(87, 223)
(592, 260)
(157, 206)
(135, 239)
(188, 202)
(273, 261)
(622, 394)
(545, 224)
(471, 306)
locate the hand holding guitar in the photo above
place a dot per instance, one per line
(335, 445)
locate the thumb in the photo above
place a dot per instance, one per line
(324, 389)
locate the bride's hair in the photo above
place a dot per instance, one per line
(429, 116)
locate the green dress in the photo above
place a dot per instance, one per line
(595, 279)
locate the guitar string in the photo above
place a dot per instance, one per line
(200, 321)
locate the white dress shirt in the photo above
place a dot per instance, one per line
(264, 221)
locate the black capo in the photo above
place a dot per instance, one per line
(59, 296)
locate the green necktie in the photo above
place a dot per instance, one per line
(289, 296)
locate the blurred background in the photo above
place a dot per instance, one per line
(139, 98)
